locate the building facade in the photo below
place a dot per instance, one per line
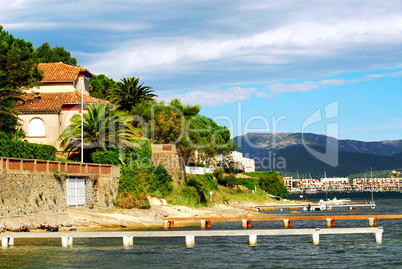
(63, 93)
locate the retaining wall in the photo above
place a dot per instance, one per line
(33, 186)
(167, 155)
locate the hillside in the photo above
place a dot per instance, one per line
(285, 152)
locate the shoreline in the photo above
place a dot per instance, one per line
(112, 219)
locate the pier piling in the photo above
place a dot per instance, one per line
(316, 236)
(252, 239)
(190, 241)
(372, 222)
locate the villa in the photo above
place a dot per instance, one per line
(64, 91)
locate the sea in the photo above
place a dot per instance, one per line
(296, 251)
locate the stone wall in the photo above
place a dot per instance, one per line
(34, 186)
(167, 155)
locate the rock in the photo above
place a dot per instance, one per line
(154, 201)
(164, 202)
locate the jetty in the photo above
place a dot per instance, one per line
(246, 221)
(7, 239)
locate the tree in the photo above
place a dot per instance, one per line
(8, 115)
(18, 70)
(101, 86)
(272, 183)
(45, 54)
(104, 128)
(129, 93)
(206, 137)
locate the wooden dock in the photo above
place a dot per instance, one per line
(287, 220)
(7, 239)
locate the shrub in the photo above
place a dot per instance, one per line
(229, 165)
(162, 182)
(106, 157)
(218, 174)
(272, 184)
(26, 150)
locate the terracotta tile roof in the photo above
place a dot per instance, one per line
(60, 72)
(52, 102)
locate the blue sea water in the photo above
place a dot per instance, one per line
(334, 251)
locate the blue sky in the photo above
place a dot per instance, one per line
(252, 65)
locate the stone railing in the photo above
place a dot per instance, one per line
(63, 167)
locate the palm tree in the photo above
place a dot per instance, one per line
(104, 128)
(129, 93)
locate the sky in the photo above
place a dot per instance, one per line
(325, 67)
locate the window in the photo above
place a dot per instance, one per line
(36, 127)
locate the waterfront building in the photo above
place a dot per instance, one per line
(64, 90)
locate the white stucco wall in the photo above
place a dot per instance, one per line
(51, 128)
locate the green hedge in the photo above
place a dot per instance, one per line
(26, 150)
(141, 154)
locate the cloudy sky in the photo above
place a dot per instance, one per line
(254, 66)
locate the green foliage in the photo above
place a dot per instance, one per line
(136, 184)
(203, 184)
(218, 174)
(102, 130)
(187, 110)
(45, 54)
(271, 183)
(231, 181)
(18, 70)
(129, 93)
(105, 157)
(206, 137)
(26, 150)
(133, 188)
(162, 182)
(101, 86)
(18, 67)
(138, 157)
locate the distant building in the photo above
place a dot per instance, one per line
(247, 163)
(44, 120)
(336, 183)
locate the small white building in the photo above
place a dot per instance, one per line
(248, 164)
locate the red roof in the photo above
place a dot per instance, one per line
(52, 102)
(61, 72)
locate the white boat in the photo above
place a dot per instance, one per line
(335, 201)
(315, 207)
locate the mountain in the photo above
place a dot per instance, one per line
(286, 152)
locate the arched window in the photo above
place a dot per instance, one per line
(36, 127)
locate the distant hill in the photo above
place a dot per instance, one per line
(285, 152)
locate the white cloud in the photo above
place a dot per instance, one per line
(212, 98)
(305, 86)
(230, 42)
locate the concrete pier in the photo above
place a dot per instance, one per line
(127, 236)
